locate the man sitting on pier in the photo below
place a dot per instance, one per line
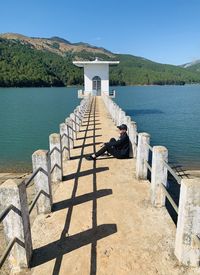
(117, 148)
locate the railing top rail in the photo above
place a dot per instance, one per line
(150, 147)
(169, 197)
(148, 165)
(172, 172)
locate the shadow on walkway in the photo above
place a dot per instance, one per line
(67, 244)
(57, 249)
(81, 199)
(85, 173)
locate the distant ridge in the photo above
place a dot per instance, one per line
(56, 44)
(60, 40)
(35, 61)
(192, 66)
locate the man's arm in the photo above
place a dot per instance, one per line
(118, 142)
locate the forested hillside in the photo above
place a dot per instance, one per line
(21, 66)
(34, 62)
(134, 70)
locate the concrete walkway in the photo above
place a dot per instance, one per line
(102, 220)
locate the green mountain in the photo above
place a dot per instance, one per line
(136, 70)
(26, 62)
(192, 66)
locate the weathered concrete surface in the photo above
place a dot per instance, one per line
(158, 175)
(103, 222)
(64, 140)
(16, 223)
(188, 224)
(56, 157)
(142, 154)
(42, 182)
(6, 176)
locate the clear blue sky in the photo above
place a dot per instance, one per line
(166, 31)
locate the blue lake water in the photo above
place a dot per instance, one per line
(171, 114)
(27, 117)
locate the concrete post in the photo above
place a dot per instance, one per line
(127, 121)
(119, 116)
(56, 157)
(186, 249)
(123, 117)
(16, 223)
(80, 111)
(64, 141)
(133, 139)
(42, 181)
(116, 114)
(68, 122)
(77, 119)
(158, 175)
(134, 129)
(142, 155)
(72, 117)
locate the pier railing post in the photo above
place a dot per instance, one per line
(123, 117)
(142, 155)
(77, 120)
(42, 180)
(80, 114)
(158, 175)
(133, 138)
(119, 117)
(68, 122)
(16, 223)
(72, 117)
(64, 141)
(127, 121)
(187, 250)
(56, 157)
(116, 114)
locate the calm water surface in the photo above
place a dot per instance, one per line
(27, 117)
(171, 114)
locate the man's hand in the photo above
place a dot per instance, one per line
(103, 144)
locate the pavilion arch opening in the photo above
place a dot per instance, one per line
(96, 85)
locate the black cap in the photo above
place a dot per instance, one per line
(122, 127)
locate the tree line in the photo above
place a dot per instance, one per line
(21, 65)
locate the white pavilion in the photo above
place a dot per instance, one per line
(96, 76)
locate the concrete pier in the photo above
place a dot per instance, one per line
(103, 221)
(102, 218)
